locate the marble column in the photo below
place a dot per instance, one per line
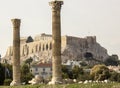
(56, 42)
(0, 58)
(16, 52)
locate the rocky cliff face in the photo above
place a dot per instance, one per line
(83, 49)
(73, 48)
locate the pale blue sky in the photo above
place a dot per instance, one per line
(79, 18)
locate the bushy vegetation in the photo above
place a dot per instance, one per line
(73, 73)
(2, 74)
(26, 75)
(114, 76)
(99, 72)
(7, 82)
(112, 60)
(5, 73)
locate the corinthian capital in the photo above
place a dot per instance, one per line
(56, 5)
(16, 22)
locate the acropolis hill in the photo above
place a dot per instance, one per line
(73, 48)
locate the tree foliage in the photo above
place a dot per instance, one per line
(8, 71)
(7, 82)
(26, 75)
(29, 61)
(65, 72)
(77, 71)
(71, 73)
(2, 74)
(85, 76)
(100, 72)
(114, 76)
(5, 72)
(112, 60)
(29, 39)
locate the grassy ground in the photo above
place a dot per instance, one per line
(89, 85)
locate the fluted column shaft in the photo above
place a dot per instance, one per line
(56, 41)
(16, 51)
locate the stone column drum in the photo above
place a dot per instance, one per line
(16, 52)
(56, 42)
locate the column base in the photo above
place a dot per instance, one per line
(14, 83)
(56, 81)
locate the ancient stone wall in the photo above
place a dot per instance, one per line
(43, 37)
(72, 47)
(34, 47)
(81, 42)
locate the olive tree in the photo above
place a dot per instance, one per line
(100, 72)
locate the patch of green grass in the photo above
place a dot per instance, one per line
(89, 85)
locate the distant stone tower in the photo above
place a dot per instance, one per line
(16, 52)
(56, 42)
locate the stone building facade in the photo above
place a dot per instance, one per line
(73, 48)
(42, 69)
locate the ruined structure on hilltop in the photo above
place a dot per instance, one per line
(73, 48)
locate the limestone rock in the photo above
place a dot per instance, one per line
(73, 48)
(14, 83)
(36, 80)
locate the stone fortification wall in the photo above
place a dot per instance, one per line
(78, 47)
(32, 47)
(72, 48)
(81, 42)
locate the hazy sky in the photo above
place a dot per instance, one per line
(100, 18)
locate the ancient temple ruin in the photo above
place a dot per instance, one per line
(56, 42)
(72, 48)
(16, 52)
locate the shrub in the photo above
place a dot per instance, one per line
(26, 75)
(77, 71)
(2, 74)
(7, 82)
(114, 76)
(100, 72)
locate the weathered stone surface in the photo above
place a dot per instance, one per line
(36, 80)
(56, 42)
(16, 52)
(73, 48)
